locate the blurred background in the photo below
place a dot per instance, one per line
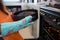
(41, 29)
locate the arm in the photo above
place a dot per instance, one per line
(6, 10)
(14, 26)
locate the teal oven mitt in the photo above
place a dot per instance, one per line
(11, 27)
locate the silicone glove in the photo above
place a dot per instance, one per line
(11, 27)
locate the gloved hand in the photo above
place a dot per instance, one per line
(11, 27)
